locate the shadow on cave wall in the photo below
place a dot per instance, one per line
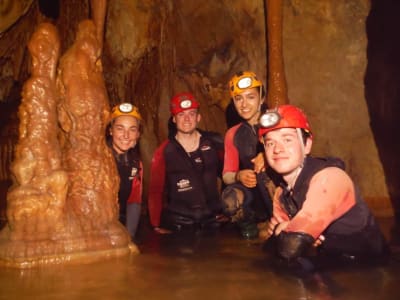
(382, 89)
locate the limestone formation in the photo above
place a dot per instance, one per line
(37, 198)
(83, 115)
(63, 204)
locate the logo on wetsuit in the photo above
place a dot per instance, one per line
(205, 148)
(184, 185)
(134, 172)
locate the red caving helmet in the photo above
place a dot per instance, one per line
(181, 102)
(284, 116)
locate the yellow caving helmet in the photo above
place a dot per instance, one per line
(125, 109)
(242, 81)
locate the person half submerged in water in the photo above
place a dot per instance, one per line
(316, 207)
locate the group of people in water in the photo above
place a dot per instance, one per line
(272, 188)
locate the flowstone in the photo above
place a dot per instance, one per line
(63, 204)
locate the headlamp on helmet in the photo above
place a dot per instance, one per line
(242, 81)
(183, 101)
(269, 118)
(185, 104)
(284, 116)
(125, 109)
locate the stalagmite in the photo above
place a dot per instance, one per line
(63, 205)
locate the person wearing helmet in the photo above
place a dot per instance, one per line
(245, 198)
(186, 166)
(122, 137)
(316, 202)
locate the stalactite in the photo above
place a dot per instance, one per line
(277, 87)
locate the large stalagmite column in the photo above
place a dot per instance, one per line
(63, 204)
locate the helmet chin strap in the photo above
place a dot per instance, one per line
(303, 151)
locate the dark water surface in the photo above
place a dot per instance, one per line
(202, 266)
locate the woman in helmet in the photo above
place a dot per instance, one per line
(316, 202)
(245, 191)
(123, 136)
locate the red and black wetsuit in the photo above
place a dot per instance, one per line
(241, 146)
(325, 201)
(130, 171)
(190, 181)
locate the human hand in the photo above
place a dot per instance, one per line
(263, 232)
(271, 226)
(160, 230)
(280, 227)
(276, 225)
(259, 163)
(247, 177)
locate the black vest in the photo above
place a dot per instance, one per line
(354, 232)
(192, 193)
(248, 145)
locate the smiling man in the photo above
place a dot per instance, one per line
(186, 167)
(316, 203)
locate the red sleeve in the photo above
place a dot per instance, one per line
(156, 186)
(330, 195)
(231, 156)
(137, 187)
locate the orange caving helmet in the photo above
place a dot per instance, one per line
(125, 109)
(242, 81)
(181, 102)
(284, 116)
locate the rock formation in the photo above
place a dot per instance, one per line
(37, 199)
(63, 204)
(83, 115)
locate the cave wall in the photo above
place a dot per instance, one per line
(382, 89)
(325, 76)
(154, 49)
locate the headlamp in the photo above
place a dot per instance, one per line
(125, 107)
(185, 104)
(269, 119)
(245, 82)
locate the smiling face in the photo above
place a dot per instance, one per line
(125, 133)
(285, 151)
(248, 104)
(186, 121)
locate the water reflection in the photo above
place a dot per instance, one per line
(204, 266)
